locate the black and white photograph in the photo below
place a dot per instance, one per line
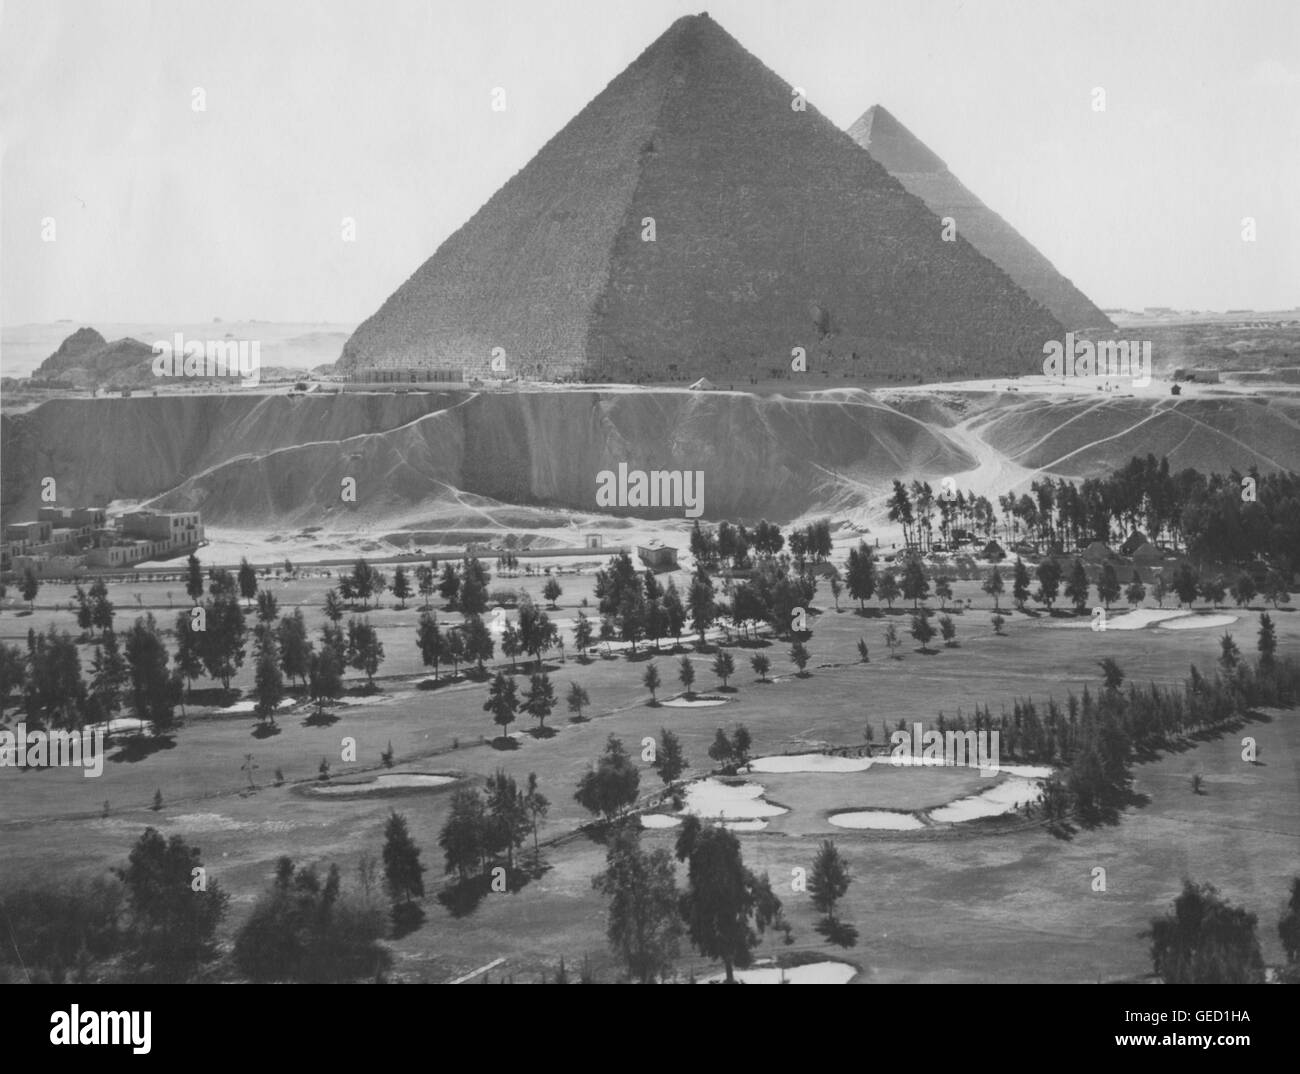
(617, 493)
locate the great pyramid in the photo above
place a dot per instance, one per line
(773, 230)
(909, 161)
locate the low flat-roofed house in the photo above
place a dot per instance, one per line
(29, 532)
(658, 556)
(81, 519)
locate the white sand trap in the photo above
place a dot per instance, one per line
(385, 782)
(121, 725)
(240, 707)
(695, 703)
(813, 973)
(810, 762)
(993, 802)
(881, 819)
(713, 799)
(1199, 622)
(663, 820)
(1134, 620)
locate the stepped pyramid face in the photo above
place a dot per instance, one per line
(909, 161)
(773, 230)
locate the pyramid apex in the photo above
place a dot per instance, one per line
(892, 144)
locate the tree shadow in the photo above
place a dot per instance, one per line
(840, 933)
(138, 747)
(320, 718)
(542, 732)
(266, 730)
(407, 917)
(504, 742)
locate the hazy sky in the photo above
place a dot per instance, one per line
(379, 110)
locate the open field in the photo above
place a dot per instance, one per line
(981, 901)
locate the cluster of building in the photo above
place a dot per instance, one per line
(65, 541)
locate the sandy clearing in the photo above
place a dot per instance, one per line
(1003, 798)
(697, 703)
(1199, 622)
(384, 782)
(713, 799)
(812, 973)
(882, 819)
(810, 762)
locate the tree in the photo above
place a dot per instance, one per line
(1112, 674)
(577, 699)
(993, 586)
(1185, 583)
(582, 633)
(222, 642)
(423, 581)
(892, 640)
(479, 645)
(829, 879)
(537, 806)
(295, 649)
(701, 604)
(146, 656)
(943, 590)
(552, 591)
(365, 651)
(761, 665)
(725, 906)
(724, 666)
(31, 586)
(1205, 940)
(800, 655)
(1049, 582)
(1136, 592)
(1267, 641)
(101, 608)
(109, 676)
(540, 700)
(916, 587)
(611, 786)
(325, 675)
(1276, 589)
(193, 579)
(537, 633)
(948, 629)
(268, 682)
(1230, 655)
(644, 927)
(887, 588)
(449, 587)
(674, 609)
(721, 751)
(1288, 928)
(509, 822)
(247, 581)
(864, 653)
(861, 573)
(463, 838)
(1212, 589)
(1160, 590)
(998, 622)
(268, 608)
(502, 701)
(1244, 590)
(922, 630)
(1107, 586)
(401, 586)
(686, 673)
(304, 930)
(670, 762)
(837, 587)
(171, 923)
(1020, 584)
(403, 873)
(334, 610)
(651, 680)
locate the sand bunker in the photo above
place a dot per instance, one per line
(663, 820)
(712, 798)
(693, 703)
(810, 762)
(1199, 622)
(881, 819)
(812, 973)
(383, 783)
(1002, 798)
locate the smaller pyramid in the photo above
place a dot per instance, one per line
(923, 174)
